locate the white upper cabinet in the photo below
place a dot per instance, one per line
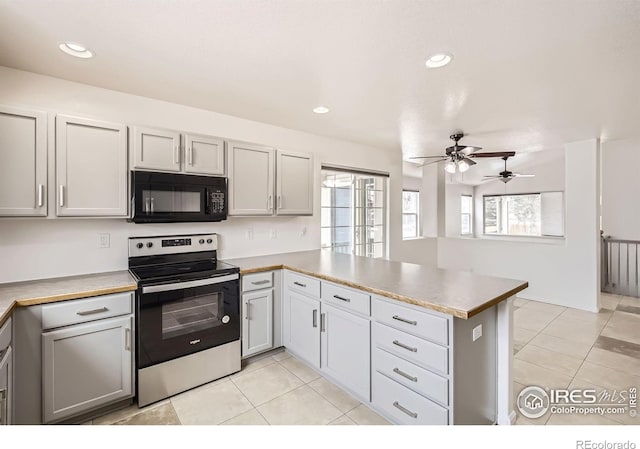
(203, 155)
(294, 183)
(156, 149)
(171, 151)
(91, 168)
(250, 179)
(23, 171)
(255, 171)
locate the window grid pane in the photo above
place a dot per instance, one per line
(410, 213)
(353, 213)
(519, 214)
(466, 214)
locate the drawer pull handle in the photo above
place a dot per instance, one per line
(194, 342)
(342, 298)
(397, 405)
(403, 374)
(300, 284)
(262, 282)
(402, 345)
(93, 312)
(404, 320)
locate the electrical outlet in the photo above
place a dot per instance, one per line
(104, 240)
(249, 233)
(273, 234)
(477, 332)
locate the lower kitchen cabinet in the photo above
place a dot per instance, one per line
(6, 374)
(345, 349)
(78, 377)
(302, 331)
(257, 329)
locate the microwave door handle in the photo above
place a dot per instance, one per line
(152, 205)
(189, 284)
(147, 205)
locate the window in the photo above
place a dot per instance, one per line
(531, 214)
(466, 214)
(410, 213)
(353, 212)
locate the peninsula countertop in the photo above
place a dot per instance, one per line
(29, 293)
(458, 293)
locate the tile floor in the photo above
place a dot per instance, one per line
(554, 347)
(561, 347)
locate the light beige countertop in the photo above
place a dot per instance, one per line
(458, 293)
(29, 293)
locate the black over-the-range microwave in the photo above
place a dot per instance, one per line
(171, 197)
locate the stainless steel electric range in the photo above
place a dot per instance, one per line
(187, 314)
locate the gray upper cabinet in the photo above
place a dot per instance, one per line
(155, 149)
(172, 151)
(23, 172)
(250, 179)
(91, 168)
(294, 183)
(255, 171)
(204, 155)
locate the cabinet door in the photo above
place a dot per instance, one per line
(345, 347)
(203, 155)
(76, 376)
(250, 178)
(257, 329)
(91, 168)
(156, 149)
(302, 327)
(294, 185)
(6, 388)
(23, 171)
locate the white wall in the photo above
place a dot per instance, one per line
(40, 248)
(621, 189)
(562, 272)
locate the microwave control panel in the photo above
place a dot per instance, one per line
(216, 202)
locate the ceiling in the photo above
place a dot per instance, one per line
(526, 75)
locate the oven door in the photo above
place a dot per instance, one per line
(181, 318)
(167, 198)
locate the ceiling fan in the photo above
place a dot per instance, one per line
(506, 175)
(460, 157)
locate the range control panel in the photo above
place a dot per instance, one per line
(156, 245)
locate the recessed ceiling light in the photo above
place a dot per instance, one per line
(74, 49)
(439, 60)
(320, 110)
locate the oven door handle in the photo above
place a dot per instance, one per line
(189, 284)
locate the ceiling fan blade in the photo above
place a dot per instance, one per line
(426, 157)
(495, 154)
(469, 161)
(492, 176)
(435, 162)
(523, 176)
(467, 150)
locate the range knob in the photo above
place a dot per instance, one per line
(209, 240)
(139, 245)
(202, 241)
(149, 244)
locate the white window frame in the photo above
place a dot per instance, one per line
(465, 213)
(417, 214)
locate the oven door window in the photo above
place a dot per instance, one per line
(183, 321)
(191, 315)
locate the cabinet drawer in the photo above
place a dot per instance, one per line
(346, 298)
(411, 376)
(405, 406)
(304, 284)
(257, 281)
(422, 324)
(84, 310)
(411, 348)
(5, 335)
